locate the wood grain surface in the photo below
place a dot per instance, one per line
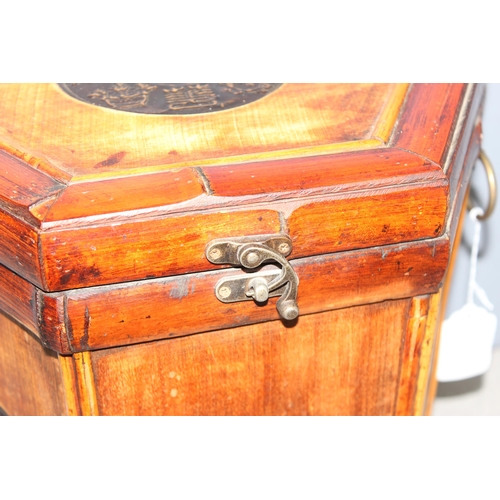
(30, 376)
(86, 141)
(387, 155)
(18, 299)
(427, 353)
(19, 248)
(344, 362)
(102, 317)
(343, 172)
(138, 311)
(364, 360)
(105, 316)
(411, 355)
(105, 217)
(144, 248)
(427, 120)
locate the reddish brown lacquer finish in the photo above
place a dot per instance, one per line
(18, 299)
(126, 194)
(105, 217)
(80, 256)
(329, 173)
(142, 311)
(427, 120)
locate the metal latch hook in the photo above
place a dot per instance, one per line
(250, 253)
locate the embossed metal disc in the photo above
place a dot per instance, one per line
(169, 98)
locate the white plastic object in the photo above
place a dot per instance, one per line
(468, 335)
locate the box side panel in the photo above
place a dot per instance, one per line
(31, 381)
(344, 362)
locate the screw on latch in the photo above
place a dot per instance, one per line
(224, 292)
(215, 253)
(284, 248)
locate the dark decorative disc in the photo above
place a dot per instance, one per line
(169, 98)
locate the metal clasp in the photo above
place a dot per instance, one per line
(250, 253)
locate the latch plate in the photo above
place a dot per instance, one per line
(236, 288)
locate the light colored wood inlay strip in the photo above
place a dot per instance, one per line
(426, 354)
(389, 115)
(415, 333)
(86, 385)
(67, 365)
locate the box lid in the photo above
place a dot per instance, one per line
(110, 183)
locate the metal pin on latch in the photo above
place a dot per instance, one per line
(258, 290)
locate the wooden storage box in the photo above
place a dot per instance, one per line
(138, 220)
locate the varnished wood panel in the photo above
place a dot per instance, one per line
(368, 220)
(95, 255)
(427, 119)
(112, 251)
(107, 316)
(344, 362)
(125, 194)
(101, 317)
(19, 247)
(30, 376)
(89, 141)
(52, 321)
(17, 298)
(342, 172)
(21, 185)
